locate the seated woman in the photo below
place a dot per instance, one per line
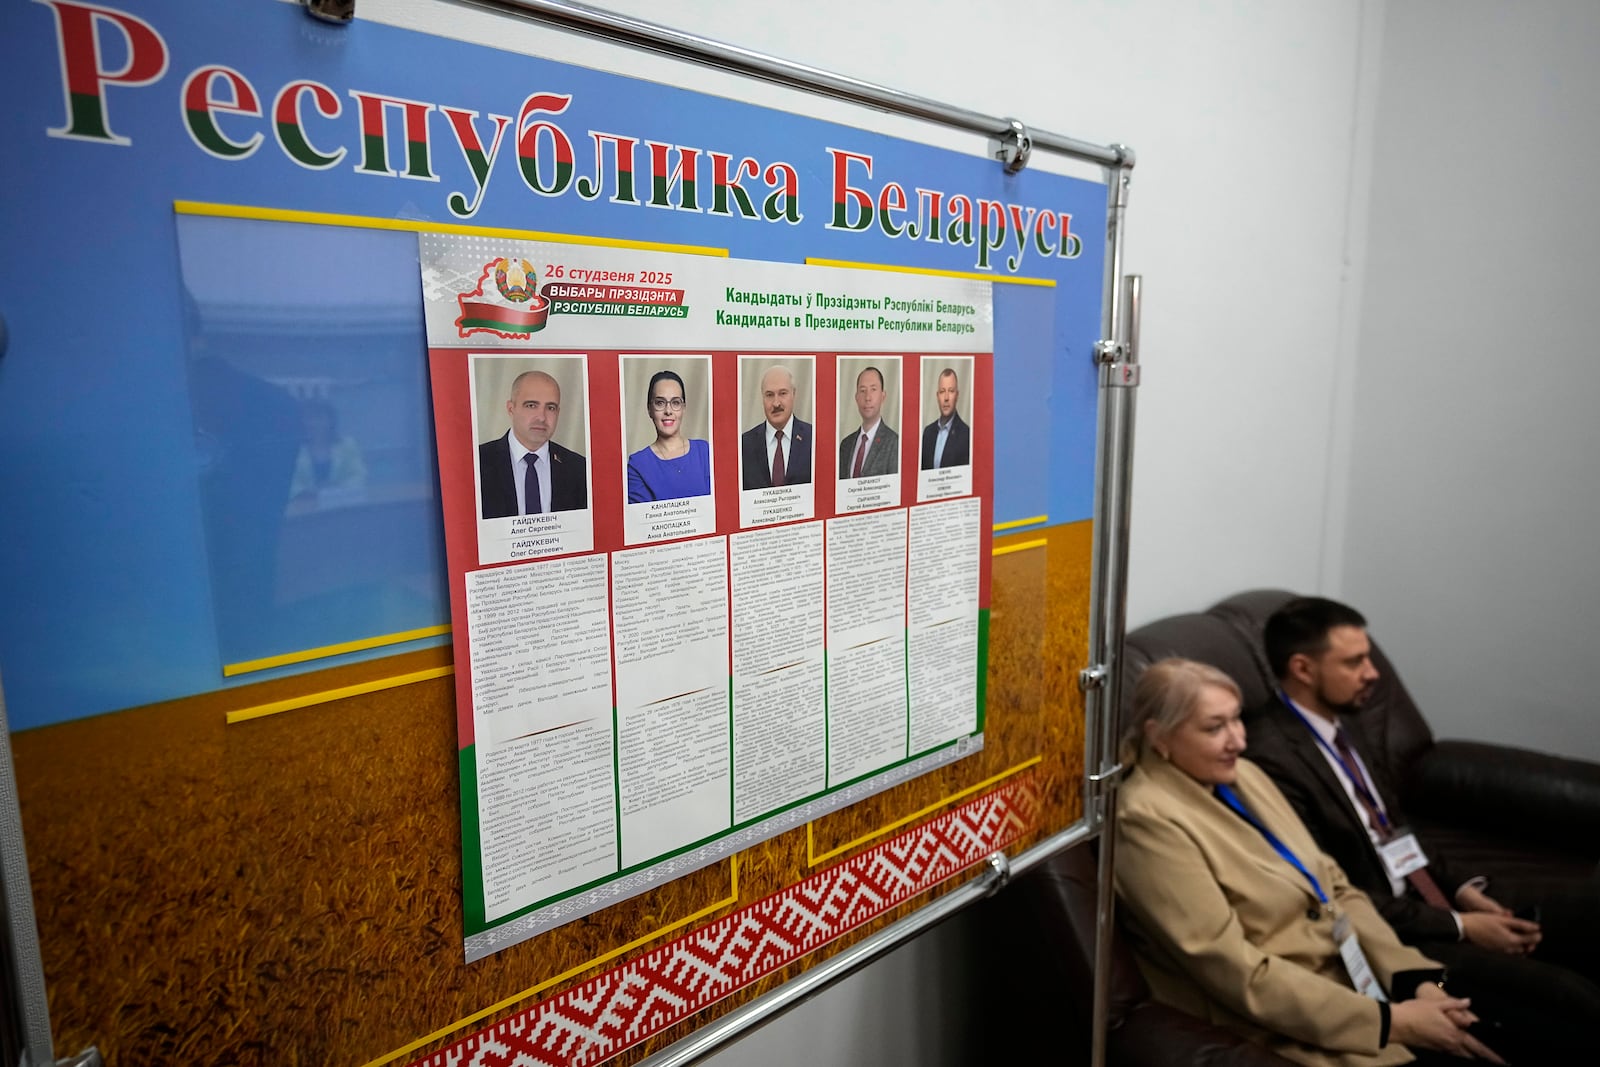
(672, 466)
(329, 462)
(1238, 918)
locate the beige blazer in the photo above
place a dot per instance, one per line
(1225, 929)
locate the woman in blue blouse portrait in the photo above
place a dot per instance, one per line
(672, 466)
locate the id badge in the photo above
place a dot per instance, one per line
(1355, 962)
(1402, 855)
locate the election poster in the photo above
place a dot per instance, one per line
(718, 536)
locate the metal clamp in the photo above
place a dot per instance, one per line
(337, 12)
(1109, 351)
(1122, 375)
(1000, 871)
(1110, 774)
(1015, 147)
(1092, 678)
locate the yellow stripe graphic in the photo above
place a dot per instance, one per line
(812, 859)
(374, 686)
(1016, 523)
(229, 670)
(368, 222)
(816, 261)
(1020, 546)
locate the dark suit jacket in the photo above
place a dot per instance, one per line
(796, 455)
(497, 488)
(957, 449)
(1281, 745)
(882, 458)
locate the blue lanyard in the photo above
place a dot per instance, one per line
(1230, 799)
(1353, 773)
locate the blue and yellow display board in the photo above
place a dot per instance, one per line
(226, 617)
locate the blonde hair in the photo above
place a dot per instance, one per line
(1165, 696)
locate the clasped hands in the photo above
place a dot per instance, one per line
(1434, 1019)
(1490, 924)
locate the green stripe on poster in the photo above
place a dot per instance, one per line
(983, 665)
(473, 913)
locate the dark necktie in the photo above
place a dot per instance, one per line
(1420, 880)
(777, 459)
(530, 486)
(861, 454)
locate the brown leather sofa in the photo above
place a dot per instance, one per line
(1495, 809)
(1498, 808)
(1039, 1007)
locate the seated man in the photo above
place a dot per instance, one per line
(1320, 653)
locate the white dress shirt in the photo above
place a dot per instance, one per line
(1326, 730)
(772, 443)
(940, 438)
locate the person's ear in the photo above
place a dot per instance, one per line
(1150, 738)
(1301, 668)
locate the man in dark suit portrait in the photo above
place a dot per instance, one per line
(874, 448)
(946, 441)
(777, 451)
(1306, 739)
(523, 472)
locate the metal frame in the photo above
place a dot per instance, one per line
(736, 1024)
(1102, 679)
(1119, 373)
(21, 950)
(32, 1008)
(679, 44)
(1117, 355)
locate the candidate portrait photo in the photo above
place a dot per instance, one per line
(776, 446)
(666, 421)
(947, 410)
(524, 409)
(869, 416)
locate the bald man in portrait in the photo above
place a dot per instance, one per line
(777, 451)
(523, 472)
(947, 440)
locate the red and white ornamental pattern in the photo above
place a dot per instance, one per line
(616, 1010)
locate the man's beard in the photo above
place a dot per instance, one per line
(1351, 707)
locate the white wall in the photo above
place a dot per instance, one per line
(1472, 535)
(1243, 118)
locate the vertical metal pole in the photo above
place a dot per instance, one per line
(1101, 683)
(1108, 553)
(32, 1008)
